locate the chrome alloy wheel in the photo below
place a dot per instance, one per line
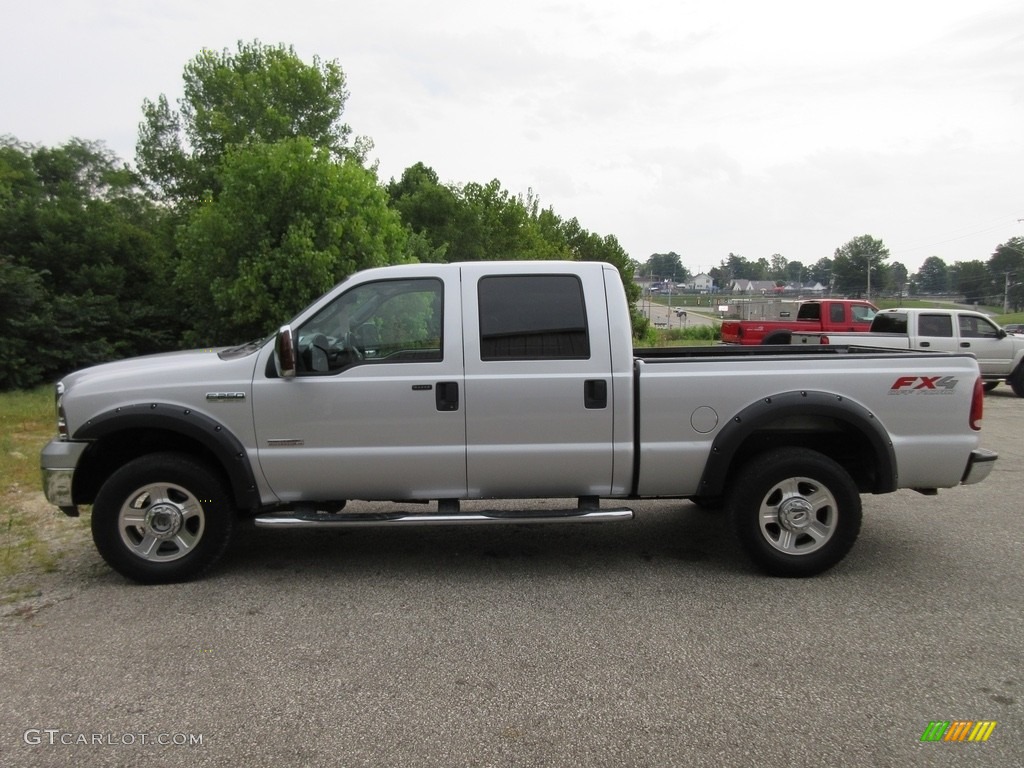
(161, 522)
(798, 515)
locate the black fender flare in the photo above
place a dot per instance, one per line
(780, 336)
(215, 437)
(757, 415)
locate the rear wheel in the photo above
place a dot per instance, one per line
(162, 518)
(795, 511)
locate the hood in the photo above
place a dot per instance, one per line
(158, 371)
(179, 378)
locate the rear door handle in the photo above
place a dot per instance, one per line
(446, 395)
(595, 393)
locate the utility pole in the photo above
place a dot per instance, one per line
(869, 277)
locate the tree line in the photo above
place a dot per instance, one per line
(247, 200)
(998, 280)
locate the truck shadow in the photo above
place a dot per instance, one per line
(675, 533)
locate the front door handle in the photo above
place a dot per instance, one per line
(595, 393)
(446, 395)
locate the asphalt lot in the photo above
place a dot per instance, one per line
(650, 643)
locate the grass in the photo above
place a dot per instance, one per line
(34, 536)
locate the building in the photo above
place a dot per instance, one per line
(702, 282)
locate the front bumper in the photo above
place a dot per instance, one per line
(57, 462)
(979, 465)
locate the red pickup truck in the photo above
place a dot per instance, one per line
(825, 315)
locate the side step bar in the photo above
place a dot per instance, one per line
(369, 520)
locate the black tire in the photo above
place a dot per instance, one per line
(1016, 381)
(162, 518)
(988, 386)
(778, 337)
(795, 512)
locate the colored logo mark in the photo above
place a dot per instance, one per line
(959, 730)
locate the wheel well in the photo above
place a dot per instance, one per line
(830, 424)
(783, 336)
(109, 453)
(836, 439)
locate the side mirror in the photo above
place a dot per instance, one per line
(1001, 334)
(284, 353)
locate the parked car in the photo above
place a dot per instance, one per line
(1014, 328)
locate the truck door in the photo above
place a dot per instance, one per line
(935, 332)
(377, 407)
(981, 337)
(539, 410)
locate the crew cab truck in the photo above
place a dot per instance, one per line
(442, 383)
(1000, 354)
(826, 315)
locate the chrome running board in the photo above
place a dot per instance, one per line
(369, 520)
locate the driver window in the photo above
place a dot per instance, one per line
(977, 327)
(390, 321)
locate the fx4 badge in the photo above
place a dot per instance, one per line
(930, 385)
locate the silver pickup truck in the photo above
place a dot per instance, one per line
(946, 329)
(443, 383)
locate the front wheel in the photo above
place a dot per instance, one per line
(1016, 381)
(795, 511)
(162, 518)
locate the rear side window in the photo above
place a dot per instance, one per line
(532, 317)
(935, 325)
(837, 313)
(889, 323)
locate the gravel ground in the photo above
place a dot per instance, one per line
(649, 643)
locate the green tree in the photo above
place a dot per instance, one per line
(1006, 265)
(897, 278)
(666, 266)
(26, 319)
(290, 222)
(257, 94)
(429, 208)
(851, 264)
(933, 276)
(97, 249)
(821, 271)
(973, 280)
(796, 272)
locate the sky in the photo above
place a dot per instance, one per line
(700, 128)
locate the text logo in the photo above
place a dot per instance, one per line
(934, 385)
(959, 730)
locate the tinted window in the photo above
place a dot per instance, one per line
(889, 323)
(533, 317)
(935, 325)
(836, 313)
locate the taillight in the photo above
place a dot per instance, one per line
(977, 404)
